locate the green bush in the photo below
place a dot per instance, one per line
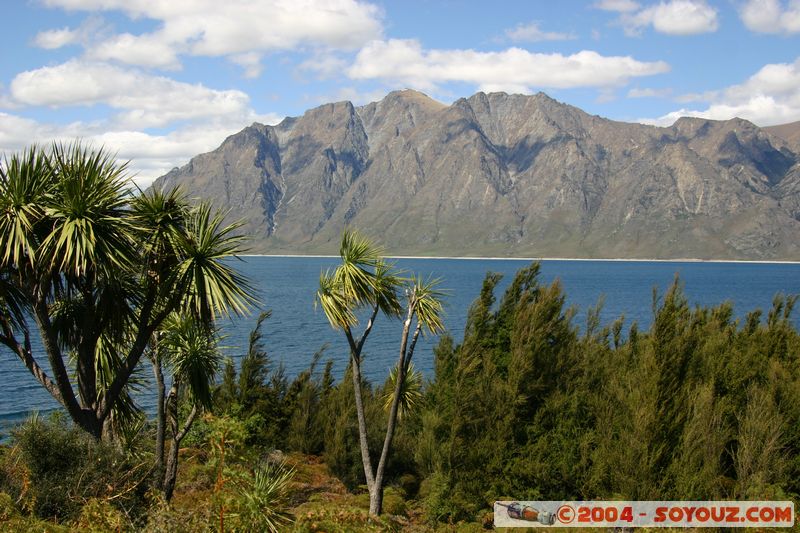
(163, 518)
(409, 484)
(7, 508)
(699, 406)
(54, 468)
(434, 493)
(393, 502)
(98, 516)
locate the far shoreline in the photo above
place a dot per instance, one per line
(617, 260)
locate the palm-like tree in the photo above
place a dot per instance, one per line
(189, 348)
(364, 281)
(74, 239)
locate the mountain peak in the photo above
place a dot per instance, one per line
(413, 97)
(500, 174)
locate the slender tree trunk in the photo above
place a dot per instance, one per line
(171, 473)
(355, 357)
(161, 425)
(362, 423)
(171, 470)
(376, 496)
(376, 499)
(146, 328)
(171, 408)
(25, 354)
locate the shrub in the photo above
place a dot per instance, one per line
(7, 508)
(164, 518)
(54, 468)
(393, 502)
(264, 498)
(409, 484)
(98, 516)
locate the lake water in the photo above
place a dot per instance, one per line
(296, 329)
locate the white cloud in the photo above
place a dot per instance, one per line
(532, 33)
(675, 17)
(620, 6)
(770, 96)
(146, 50)
(143, 100)
(405, 62)
(92, 29)
(250, 62)
(52, 39)
(770, 16)
(649, 93)
(150, 156)
(204, 28)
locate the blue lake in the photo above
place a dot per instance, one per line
(297, 330)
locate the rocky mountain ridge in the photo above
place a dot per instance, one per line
(505, 175)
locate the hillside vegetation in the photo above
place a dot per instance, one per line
(529, 406)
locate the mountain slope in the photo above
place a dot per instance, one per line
(788, 132)
(499, 174)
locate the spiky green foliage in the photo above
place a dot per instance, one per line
(334, 303)
(26, 179)
(190, 350)
(410, 390)
(426, 299)
(362, 279)
(212, 286)
(89, 230)
(354, 275)
(13, 304)
(387, 282)
(99, 270)
(161, 215)
(264, 499)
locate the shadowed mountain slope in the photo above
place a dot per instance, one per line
(506, 175)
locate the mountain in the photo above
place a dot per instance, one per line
(788, 132)
(505, 175)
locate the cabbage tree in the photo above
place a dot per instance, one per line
(96, 270)
(364, 282)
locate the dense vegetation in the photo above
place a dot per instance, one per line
(528, 406)
(97, 271)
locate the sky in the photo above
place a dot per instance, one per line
(159, 81)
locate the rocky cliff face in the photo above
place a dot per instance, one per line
(499, 174)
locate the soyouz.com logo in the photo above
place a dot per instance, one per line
(759, 514)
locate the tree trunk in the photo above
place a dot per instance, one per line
(362, 424)
(161, 423)
(376, 495)
(171, 408)
(355, 357)
(376, 500)
(108, 431)
(86, 375)
(171, 471)
(85, 418)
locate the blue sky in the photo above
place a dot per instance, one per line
(158, 81)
